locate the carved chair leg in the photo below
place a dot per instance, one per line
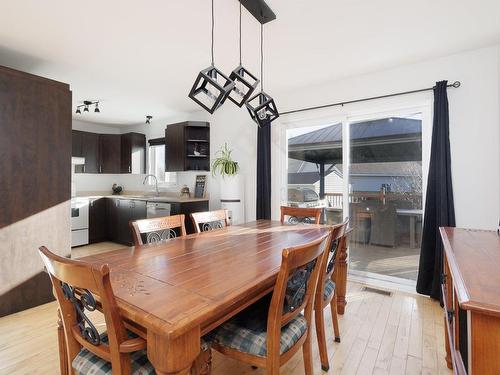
(63, 352)
(320, 334)
(335, 319)
(202, 365)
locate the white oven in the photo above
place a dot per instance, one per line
(79, 221)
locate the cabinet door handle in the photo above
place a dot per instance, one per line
(100, 169)
(84, 168)
(129, 169)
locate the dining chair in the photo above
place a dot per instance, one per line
(210, 220)
(157, 229)
(298, 215)
(326, 292)
(121, 348)
(268, 333)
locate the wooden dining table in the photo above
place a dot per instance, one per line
(178, 290)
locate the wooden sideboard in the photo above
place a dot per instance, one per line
(471, 295)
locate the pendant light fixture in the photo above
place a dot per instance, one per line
(245, 82)
(211, 87)
(261, 107)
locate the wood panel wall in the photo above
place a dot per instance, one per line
(35, 177)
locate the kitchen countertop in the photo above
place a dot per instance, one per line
(141, 197)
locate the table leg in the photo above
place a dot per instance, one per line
(341, 275)
(412, 231)
(173, 356)
(63, 352)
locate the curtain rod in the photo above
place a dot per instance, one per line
(455, 84)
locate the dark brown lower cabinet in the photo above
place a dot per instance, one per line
(97, 220)
(109, 217)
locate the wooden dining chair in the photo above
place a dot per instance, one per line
(298, 215)
(326, 292)
(270, 332)
(88, 351)
(210, 220)
(157, 229)
(121, 348)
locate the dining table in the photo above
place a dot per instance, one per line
(179, 290)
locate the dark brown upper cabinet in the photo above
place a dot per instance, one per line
(110, 153)
(187, 146)
(133, 153)
(86, 145)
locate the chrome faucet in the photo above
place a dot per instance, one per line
(156, 182)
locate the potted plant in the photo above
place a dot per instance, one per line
(223, 163)
(231, 188)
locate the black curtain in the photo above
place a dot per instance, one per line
(439, 208)
(264, 171)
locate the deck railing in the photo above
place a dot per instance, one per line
(336, 200)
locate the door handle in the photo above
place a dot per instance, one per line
(129, 169)
(84, 168)
(100, 169)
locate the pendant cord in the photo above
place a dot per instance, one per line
(213, 32)
(261, 57)
(240, 32)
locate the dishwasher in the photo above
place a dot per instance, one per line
(157, 209)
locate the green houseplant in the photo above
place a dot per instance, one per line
(223, 163)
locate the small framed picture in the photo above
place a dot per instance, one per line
(200, 186)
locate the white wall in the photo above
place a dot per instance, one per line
(474, 121)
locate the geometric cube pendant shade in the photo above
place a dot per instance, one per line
(211, 88)
(245, 84)
(262, 108)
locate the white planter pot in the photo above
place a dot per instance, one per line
(231, 196)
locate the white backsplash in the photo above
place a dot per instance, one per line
(87, 182)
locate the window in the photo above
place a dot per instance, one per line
(156, 159)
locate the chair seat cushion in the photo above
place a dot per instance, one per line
(246, 332)
(329, 288)
(87, 363)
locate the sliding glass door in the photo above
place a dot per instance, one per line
(385, 196)
(369, 170)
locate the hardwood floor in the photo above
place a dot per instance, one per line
(397, 334)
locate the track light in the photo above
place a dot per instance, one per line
(86, 104)
(148, 119)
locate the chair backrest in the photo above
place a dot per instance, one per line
(157, 229)
(295, 288)
(338, 232)
(74, 283)
(210, 220)
(298, 215)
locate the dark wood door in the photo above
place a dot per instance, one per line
(109, 153)
(124, 216)
(112, 206)
(97, 220)
(175, 152)
(76, 143)
(90, 151)
(133, 153)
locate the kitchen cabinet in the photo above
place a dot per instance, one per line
(109, 153)
(86, 145)
(187, 208)
(133, 153)
(187, 146)
(120, 212)
(97, 220)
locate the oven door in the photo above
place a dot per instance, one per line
(79, 214)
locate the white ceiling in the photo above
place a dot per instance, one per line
(141, 57)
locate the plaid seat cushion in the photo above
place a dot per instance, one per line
(249, 336)
(87, 363)
(329, 288)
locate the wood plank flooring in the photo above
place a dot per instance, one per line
(400, 334)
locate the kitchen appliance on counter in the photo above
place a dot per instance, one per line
(157, 209)
(79, 221)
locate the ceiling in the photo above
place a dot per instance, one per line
(141, 58)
